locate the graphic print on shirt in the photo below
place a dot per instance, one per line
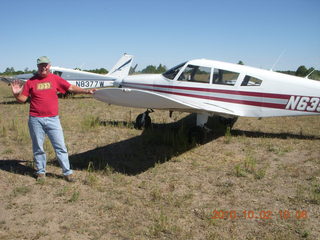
(44, 86)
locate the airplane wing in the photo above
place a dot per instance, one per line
(146, 99)
(23, 77)
(6, 80)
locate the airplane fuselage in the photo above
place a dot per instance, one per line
(223, 88)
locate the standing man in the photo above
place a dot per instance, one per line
(44, 115)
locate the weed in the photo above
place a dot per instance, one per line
(74, 197)
(128, 120)
(278, 149)
(62, 192)
(250, 164)
(22, 135)
(41, 181)
(3, 132)
(162, 226)
(8, 151)
(239, 171)
(90, 122)
(90, 167)
(23, 190)
(91, 179)
(108, 170)
(13, 125)
(227, 136)
(156, 195)
(305, 234)
(260, 173)
(315, 194)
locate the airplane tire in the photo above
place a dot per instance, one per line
(143, 120)
(228, 122)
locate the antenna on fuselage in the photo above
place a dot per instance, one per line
(276, 62)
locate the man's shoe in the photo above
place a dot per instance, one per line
(41, 177)
(69, 178)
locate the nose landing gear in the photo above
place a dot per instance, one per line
(143, 120)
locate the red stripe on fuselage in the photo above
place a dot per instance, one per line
(210, 90)
(232, 92)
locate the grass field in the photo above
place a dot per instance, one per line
(261, 180)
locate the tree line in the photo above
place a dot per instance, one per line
(301, 71)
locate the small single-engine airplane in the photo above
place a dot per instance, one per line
(210, 88)
(86, 79)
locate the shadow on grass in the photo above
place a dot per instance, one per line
(16, 166)
(272, 135)
(21, 167)
(157, 145)
(13, 102)
(135, 155)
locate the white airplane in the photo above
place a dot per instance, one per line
(86, 79)
(210, 88)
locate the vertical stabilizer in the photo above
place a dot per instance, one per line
(122, 67)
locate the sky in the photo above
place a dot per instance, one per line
(278, 34)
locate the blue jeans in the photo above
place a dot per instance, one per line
(39, 127)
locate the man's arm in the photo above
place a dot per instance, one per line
(16, 87)
(76, 89)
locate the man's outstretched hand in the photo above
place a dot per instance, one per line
(16, 86)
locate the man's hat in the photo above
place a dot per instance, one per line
(43, 59)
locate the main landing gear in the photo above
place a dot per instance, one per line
(208, 126)
(143, 120)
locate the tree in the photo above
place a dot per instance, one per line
(302, 71)
(100, 71)
(149, 69)
(240, 63)
(9, 70)
(161, 69)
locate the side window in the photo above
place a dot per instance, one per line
(251, 81)
(194, 73)
(224, 77)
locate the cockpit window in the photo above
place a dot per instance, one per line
(172, 72)
(251, 81)
(224, 77)
(194, 73)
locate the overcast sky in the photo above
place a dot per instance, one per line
(94, 34)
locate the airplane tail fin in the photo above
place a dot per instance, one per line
(122, 67)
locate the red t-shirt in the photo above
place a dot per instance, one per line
(43, 94)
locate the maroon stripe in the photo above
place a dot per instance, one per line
(243, 102)
(233, 92)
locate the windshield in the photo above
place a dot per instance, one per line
(172, 72)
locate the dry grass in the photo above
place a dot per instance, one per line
(155, 184)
